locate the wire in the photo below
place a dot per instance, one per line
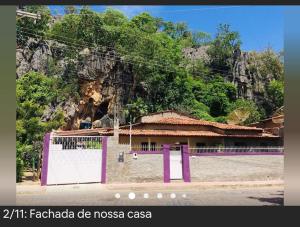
(102, 57)
(105, 48)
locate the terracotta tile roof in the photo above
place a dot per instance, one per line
(182, 121)
(85, 132)
(267, 119)
(150, 132)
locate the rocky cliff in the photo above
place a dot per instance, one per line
(100, 77)
(245, 73)
(105, 81)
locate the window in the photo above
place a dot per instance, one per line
(240, 144)
(263, 144)
(153, 146)
(144, 146)
(200, 144)
(200, 147)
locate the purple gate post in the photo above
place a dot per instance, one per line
(45, 159)
(186, 163)
(166, 154)
(104, 158)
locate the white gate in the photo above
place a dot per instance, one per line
(175, 164)
(74, 159)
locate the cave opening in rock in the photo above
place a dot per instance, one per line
(101, 110)
(91, 100)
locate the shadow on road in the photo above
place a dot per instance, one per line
(274, 201)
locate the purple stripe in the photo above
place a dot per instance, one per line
(147, 152)
(45, 159)
(186, 163)
(166, 150)
(236, 153)
(104, 158)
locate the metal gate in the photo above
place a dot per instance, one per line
(176, 163)
(73, 159)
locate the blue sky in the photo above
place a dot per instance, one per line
(259, 26)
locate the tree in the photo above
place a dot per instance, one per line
(223, 47)
(146, 23)
(217, 95)
(28, 26)
(200, 39)
(243, 112)
(275, 92)
(135, 109)
(270, 64)
(90, 27)
(34, 92)
(70, 9)
(113, 17)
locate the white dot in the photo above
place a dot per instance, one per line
(184, 196)
(159, 195)
(173, 195)
(117, 195)
(131, 195)
(146, 196)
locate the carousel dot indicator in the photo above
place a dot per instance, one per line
(173, 195)
(131, 195)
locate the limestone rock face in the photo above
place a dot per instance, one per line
(245, 74)
(104, 80)
(197, 53)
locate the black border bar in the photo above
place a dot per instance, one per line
(150, 2)
(160, 215)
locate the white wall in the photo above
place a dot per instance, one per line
(73, 166)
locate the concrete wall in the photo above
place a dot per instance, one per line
(149, 167)
(236, 168)
(146, 168)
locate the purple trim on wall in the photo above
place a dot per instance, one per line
(45, 159)
(236, 153)
(104, 159)
(147, 152)
(186, 164)
(166, 153)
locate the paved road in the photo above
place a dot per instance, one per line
(97, 194)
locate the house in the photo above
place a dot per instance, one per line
(150, 132)
(159, 147)
(273, 125)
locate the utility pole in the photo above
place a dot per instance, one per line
(130, 127)
(130, 134)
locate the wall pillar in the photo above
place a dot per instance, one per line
(45, 159)
(186, 164)
(104, 159)
(166, 155)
